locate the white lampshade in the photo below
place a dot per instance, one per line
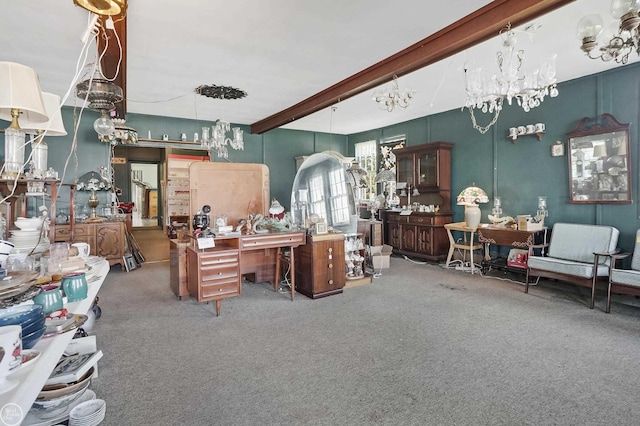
(472, 195)
(20, 89)
(54, 126)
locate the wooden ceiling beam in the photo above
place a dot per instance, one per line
(473, 29)
(113, 63)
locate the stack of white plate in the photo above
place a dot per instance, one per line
(89, 413)
(29, 239)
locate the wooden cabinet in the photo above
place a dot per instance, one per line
(214, 274)
(427, 167)
(106, 239)
(178, 268)
(320, 265)
(419, 234)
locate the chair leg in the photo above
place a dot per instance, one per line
(608, 308)
(593, 292)
(526, 282)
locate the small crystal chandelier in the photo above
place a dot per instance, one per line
(391, 97)
(487, 93)
(623, 38)
(218, 140)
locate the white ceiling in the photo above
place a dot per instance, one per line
(280, 52)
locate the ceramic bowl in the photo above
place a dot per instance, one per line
(63, 389)
(30, 340)
(19, 314)
(32, 326)
(28, 223)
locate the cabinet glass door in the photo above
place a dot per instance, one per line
(404, 168)
(428, 170)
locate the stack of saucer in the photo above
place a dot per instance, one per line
(89, 413)
(29, 239)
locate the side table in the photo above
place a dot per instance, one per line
(504, 236)
(467, 244)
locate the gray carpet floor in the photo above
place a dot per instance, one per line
(421, 345)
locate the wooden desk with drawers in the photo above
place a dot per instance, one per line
(216, 273)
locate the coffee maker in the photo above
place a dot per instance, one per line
(202, 221)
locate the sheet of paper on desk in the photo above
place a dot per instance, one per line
(406, 212)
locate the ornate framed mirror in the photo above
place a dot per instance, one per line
(599, 161)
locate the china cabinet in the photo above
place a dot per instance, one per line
(17, 198)
(355, 253)
(427, 168)
(320, 265)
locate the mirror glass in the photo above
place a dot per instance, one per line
(321, 189)
(599, 161)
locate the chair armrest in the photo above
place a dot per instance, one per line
(617, 256)
(606, 253)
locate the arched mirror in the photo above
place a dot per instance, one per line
(321, 189)
(599, 163)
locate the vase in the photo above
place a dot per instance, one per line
(472, 215)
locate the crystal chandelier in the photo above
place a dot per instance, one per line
(217, 140)
(391, 97)
(623, 38)
(487, 93)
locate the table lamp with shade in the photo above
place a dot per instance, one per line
(20, 95)
(469, 198)
(53, 127)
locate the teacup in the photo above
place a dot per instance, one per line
(531, 129)
(539, 127)
(75, 286)
(10, 348)
(50, 298)
(83, 250)
(522, 130)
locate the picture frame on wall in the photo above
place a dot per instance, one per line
(557, 149)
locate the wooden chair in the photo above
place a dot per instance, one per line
(625, 281)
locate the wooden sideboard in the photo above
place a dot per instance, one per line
(419, 234)
(106, 239)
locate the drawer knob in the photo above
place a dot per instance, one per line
(330, 265)
(330, 282)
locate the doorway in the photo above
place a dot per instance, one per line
(144, 193)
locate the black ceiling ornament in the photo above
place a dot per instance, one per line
(220, 92)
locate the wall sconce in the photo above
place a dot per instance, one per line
(530, 129)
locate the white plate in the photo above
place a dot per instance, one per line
(28, 356)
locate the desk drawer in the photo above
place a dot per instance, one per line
(209, 259)
(219, 279)
(260, 241)
(421, 220)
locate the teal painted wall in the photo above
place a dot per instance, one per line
(277, 149)
(520, 172)
(517, 172)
